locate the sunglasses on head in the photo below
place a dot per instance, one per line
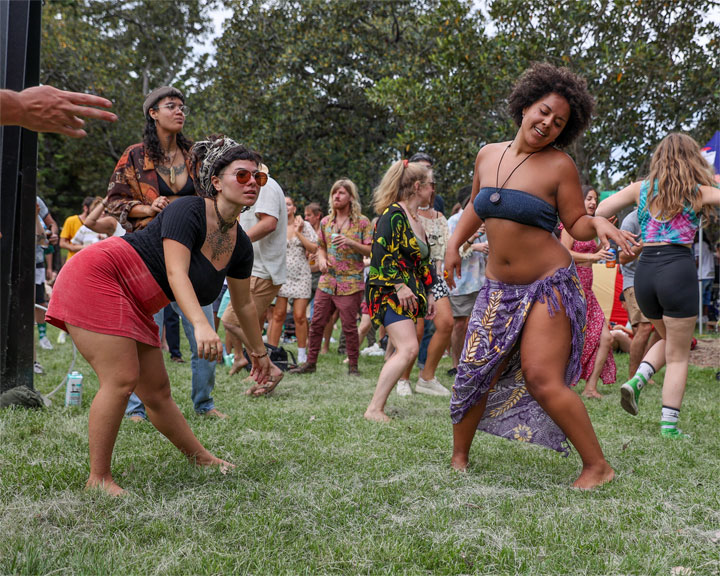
(243, 176)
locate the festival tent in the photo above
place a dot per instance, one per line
(607, 287)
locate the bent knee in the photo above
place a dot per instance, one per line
(540, 382)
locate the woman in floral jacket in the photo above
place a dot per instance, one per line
(398, 286)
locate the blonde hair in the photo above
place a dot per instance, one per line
(355, 207)
(397, 184)
(678, 168)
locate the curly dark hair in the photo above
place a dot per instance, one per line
(154, 149)
(542, 79)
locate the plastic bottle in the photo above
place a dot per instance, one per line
(610, 260)
(73, 389)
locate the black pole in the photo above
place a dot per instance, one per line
(19, 68)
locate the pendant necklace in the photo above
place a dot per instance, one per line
(172, 165)
(223, 224)
(495, 196)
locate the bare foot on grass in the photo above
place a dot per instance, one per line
(238, 364)
(459, 462)
(592, 394)
(376, 416)
(104, 485)
(211, 460)
(592, 477)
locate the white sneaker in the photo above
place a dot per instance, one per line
(374, 350)
(45, 343)
(403, 388)
(62, 337)
(37, 368)
(431, 387)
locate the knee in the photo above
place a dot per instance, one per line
(300, 318)
(409, 350)
(124, 382)
(537, 382)
(156, 394)
(443, 325)
(606, 338)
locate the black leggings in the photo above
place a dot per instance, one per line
(666, 282)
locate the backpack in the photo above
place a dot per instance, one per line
(278, 356)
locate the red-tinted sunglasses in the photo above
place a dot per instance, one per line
(243, 176)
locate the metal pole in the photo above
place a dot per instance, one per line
(700, 292)
(19, 68)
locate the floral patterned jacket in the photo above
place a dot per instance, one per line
(134, 182)
(396, 258)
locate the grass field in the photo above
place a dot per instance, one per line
(318, 490)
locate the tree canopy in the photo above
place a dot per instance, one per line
(325, 90)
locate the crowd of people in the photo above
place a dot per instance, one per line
(504, 286)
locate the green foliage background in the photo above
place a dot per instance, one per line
(331, 89)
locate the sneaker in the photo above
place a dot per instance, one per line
(37, 368)
(62, 337)
(673, 433)
(630, 394)
(452, 372)
(305, 368)
(403, 388)
(45, 343)
(374, 350)
(431, 387)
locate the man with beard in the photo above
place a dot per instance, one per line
(344, 239)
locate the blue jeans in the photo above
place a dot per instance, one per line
(203, 371)
(428, 331)
(172, 331)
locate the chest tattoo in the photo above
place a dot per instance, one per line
(165, 171)
(220, 244)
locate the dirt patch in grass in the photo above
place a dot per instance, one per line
(707, 353)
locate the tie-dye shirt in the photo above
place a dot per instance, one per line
(680, 229)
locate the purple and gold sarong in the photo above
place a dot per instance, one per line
(494, 332)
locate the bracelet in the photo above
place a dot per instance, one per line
(258, 356)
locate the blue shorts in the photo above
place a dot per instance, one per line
(391, 317)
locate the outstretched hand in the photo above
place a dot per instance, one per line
(47, 109)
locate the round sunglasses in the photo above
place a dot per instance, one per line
(243, 176)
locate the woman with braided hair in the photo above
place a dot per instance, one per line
(105, 299)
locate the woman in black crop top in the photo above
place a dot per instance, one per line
(107, 295)
(532, 301)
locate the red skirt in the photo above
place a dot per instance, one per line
(108, 289)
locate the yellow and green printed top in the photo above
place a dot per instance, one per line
(395, 258)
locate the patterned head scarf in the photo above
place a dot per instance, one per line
(209, 152)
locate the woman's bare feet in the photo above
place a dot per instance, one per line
(210, 460)
(238, 364)
(594, 476)
(106, 485)
(459, 462)
(591, 393)
(376, 416)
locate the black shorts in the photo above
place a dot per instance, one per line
(40, 294)
(666, 282)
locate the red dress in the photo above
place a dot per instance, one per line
(595, 320)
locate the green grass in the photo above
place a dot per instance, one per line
(317, 490)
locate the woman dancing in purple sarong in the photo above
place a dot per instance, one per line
(525, 335)
(597, 359)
